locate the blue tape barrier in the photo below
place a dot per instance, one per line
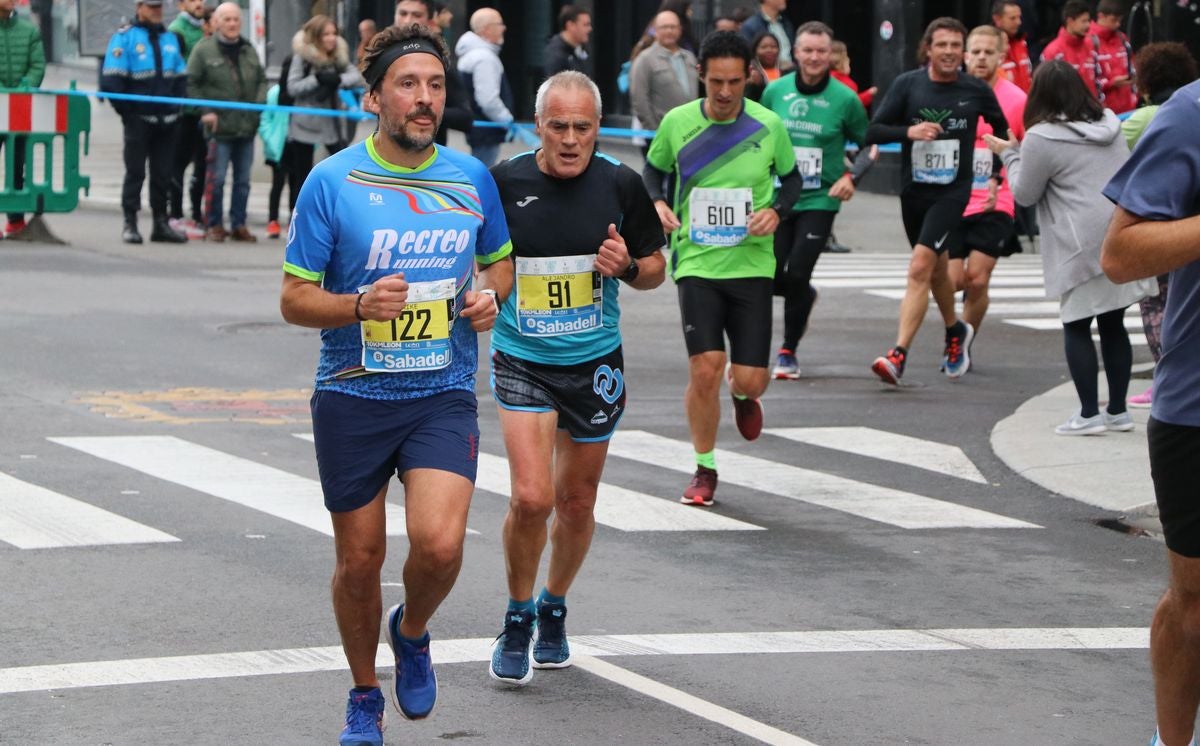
(522, 131)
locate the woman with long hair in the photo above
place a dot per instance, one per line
(320, 66)
(1072, 147)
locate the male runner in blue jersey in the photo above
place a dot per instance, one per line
(382, 256)
(581, 223)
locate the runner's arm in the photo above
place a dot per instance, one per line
(1137, 247)
(790, 187)
(862, 163)
(305, 303)
(654, 179)
(888, 125)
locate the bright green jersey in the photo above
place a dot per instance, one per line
(724, 172)
(819, 124)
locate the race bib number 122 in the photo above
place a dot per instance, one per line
(419, 338)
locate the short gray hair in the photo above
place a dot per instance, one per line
(566, 79)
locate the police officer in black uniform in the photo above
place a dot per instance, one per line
(144, 58)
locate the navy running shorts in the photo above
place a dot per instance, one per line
(932, 223)
(738, 308)
(362, 442)
(1176, 474)
(985, 232)
(589, 397)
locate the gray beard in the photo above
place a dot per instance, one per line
(404, 142)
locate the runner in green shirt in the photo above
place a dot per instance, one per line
(725, 153)
(820, 115)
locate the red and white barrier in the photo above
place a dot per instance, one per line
(33, 113)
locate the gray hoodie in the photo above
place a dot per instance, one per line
(480, 59)
(1061, 167)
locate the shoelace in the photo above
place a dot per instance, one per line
(516, 635)
(954, 349)
(701, 479)
(360, 720)
(415, 666)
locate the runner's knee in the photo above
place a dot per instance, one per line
(532, 501)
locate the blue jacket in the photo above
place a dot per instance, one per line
(273, 128)
(147, 60)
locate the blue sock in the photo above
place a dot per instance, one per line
(526, 606)
(546, 597)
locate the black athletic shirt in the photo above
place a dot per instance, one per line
(957, 106)
(549, 217)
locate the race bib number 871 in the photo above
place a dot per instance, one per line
(935, 161)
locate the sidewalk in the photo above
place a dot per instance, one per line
(1109, 471)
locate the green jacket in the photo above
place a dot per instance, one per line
(22, 59)
(212, 76)
(188, 32)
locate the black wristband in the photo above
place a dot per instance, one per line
(357, 305)
(631, 272)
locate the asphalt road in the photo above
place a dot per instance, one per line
(158, 387)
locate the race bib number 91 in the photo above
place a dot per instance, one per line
(719, 216)
(558, 295)
(419, 338)
(935, 161)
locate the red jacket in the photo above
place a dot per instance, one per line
(1017, 66)
(1113, 51)
(1079, 53)
(866, 96)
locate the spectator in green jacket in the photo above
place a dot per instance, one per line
(189, 146)
(225, 67)
(22, 63)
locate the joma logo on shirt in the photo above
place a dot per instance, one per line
(414, 242)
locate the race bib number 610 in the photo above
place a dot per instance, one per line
(719, 216)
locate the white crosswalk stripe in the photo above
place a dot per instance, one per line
(1016, 288)
(263, 488)
(33, 517)
(883, 504)
(622, 509)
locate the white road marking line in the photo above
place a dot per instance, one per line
(33, 517)
(902, 449)
(1054, 323)
(619, 508)
(478, 650)
(995, 293)
(900, 280)
(688, 703)
(263, 488)
(882, 504)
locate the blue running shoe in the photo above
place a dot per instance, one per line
(957, 357)
(364, 719)
(551, 650)
(786, 366)
(416, 684)
(510, 652)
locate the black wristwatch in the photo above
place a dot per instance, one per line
(631, 272)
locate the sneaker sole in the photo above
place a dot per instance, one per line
(780, 376)
(515, 683)
(882, 368)
(697, 501)
(1093, 430)
(395, 697)
(1128, 427)
(550, 665)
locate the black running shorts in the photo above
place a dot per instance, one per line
(1176, 473)
(738, 308)
(986, 232)
(589, 397)
(932, 223)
